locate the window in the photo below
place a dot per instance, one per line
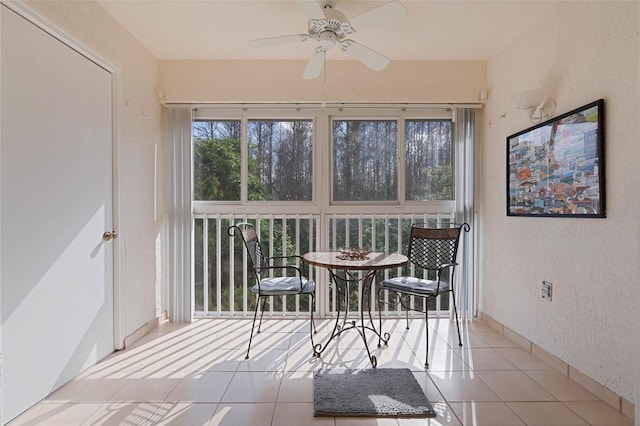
(280, 160)
(428, 160)
(364, 160)
(365, 155)
(365, 166)
(216, 160)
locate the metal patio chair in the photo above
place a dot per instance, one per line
(432, 251)
(294, 280)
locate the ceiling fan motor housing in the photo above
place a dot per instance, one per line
(334, 27)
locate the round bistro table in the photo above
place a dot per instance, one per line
(344, 272)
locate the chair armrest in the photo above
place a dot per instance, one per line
(290, 256)
(301, 270)
(440, 270)
(447, 265)
(295, 268)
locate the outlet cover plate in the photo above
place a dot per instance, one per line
(547, 289)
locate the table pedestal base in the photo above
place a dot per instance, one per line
(343, 323)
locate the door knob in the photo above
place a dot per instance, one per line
(109, 236)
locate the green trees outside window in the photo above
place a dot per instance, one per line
(216, 160)
(281, 159)
(364, 160)
(429, 160)
(279, 162)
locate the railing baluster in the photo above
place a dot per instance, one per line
(205, 263)
(284, 253)
(372, 293)
(219, 233)
(272, 222)
(335, 238)
(386, 272)
(297, 240)
(360, 289)
(232, 264)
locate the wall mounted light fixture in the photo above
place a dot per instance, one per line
(536, 103)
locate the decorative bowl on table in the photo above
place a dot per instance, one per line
(353, 253)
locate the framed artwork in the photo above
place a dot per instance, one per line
(556, 168)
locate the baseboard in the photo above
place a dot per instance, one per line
(142, 331)
(614, 400)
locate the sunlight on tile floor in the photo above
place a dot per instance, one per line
(195, 374)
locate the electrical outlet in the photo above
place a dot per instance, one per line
(547, 288)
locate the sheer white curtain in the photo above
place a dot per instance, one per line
(180, 221)
(465, 135)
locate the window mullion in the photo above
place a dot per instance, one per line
(244, 159)
(401, 160)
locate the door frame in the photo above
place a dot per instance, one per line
(46, 25)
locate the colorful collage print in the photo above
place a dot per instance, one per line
(555, 168)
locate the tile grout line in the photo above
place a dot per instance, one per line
(523, 343)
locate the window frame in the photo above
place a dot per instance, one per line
(322, 116)
(401, 114)
(369, 117)
(244, 115)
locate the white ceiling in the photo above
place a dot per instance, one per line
(217, 29)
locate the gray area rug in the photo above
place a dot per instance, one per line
(377, 392)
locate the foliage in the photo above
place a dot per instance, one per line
(364, 160)
(429, 160)
(281, 157)
(216, 169)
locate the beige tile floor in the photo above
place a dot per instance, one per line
(196, 374)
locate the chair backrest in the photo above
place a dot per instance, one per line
(430, 248)
(252, 244)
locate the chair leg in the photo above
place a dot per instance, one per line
(406, 311)
(379, 318)
(312, 326)
(313, 308)
(255, 315)
(426, 329)
(264, 301)
(455, 314)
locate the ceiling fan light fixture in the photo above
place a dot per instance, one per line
(328, 39)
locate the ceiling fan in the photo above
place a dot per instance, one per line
(328, 26)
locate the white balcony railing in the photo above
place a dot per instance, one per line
(221, 277)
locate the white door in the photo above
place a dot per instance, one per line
(56, 287)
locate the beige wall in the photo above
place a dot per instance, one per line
(345, 81)
(140, 165)
(580, 51)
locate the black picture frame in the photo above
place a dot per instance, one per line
(557, 168)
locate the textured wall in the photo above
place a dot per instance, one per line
(345, 81)
(581, 52)
(141, 160)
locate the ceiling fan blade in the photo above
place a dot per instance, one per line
(388, 13)
(370, 58)
(314, 66)
(275, 41)
(311, 8)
